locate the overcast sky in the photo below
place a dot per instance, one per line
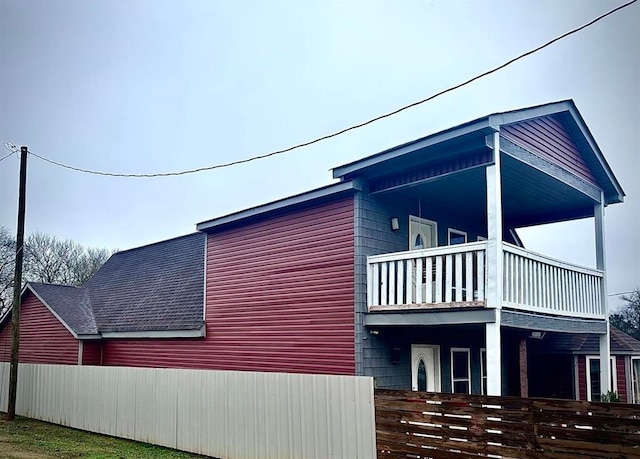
(141, 86)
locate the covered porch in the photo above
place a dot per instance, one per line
(471, 189)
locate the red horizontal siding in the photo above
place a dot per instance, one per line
(547, 137)
(91, 352)
(43, 339)
(5, 341)
(621, 378)
(280, 297)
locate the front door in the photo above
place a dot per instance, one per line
(422, 233)
(425, 368)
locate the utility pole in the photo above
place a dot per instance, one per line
(17, 287)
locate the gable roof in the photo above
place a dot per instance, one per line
(566, 109)
(70, 304)
(154, 290)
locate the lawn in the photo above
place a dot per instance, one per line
(30, 439)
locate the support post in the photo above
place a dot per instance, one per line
(605, 351)
(17, 287)
(494, 270)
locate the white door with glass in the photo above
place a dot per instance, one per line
(425, 368)
(422, 233)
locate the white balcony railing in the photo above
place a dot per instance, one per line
(455, 276)
(442, 276)
(537, 283)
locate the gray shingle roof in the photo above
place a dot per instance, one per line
(621, 343)
(157, 287)
(71, 304)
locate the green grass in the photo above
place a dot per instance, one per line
(30, 439)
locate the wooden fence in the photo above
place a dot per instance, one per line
(225, 414)
(432, 425)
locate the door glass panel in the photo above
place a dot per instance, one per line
(594, 373)
(635, 369)
(422, 376)
(419, 243)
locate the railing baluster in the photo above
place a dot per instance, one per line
(392, 283)
(370, 284)
(480, 274)
(448, 266)
(409, 280)
(400, 286)
(419, 274)
(428, 288)
(469, 276)
(439, 279)
(458, 277)
(384, 298)
(376, 284)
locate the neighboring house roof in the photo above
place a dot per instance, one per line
(154, 290)
(620, 343)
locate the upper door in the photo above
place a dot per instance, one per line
(423, 233)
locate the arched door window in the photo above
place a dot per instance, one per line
(422, 376)
(419, 242)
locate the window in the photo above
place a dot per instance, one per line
(460, 371)
(483, 370)
(457, 237)
(635, 379)
(593, 377)
(422, 376)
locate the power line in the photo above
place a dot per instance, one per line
(353, 127)
(5, 157)
(621, 293)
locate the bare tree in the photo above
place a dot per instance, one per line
(7, 259)
(47, 259)
(627, 319)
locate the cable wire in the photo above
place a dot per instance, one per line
(350, 128)
(5, 157)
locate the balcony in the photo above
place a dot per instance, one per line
(456, 277)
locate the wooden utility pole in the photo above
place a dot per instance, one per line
(17, 287)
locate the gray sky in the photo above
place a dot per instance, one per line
(141, 86)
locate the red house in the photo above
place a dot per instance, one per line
(408, 269)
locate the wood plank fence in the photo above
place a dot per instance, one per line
(433, 425)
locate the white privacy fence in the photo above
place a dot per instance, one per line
(225, 414)
(450, 274)
(534, 282)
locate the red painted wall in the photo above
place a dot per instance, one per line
(91, 352)
(280, 297)
(547, 137)
(43, 339)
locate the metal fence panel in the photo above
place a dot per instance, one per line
(226, 414)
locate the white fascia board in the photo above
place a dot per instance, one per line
(156, 334)
(431, 140)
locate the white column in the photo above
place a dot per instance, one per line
(494, 270)
(605, 351)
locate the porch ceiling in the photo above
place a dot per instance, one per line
(530, 197)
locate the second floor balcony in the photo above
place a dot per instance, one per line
(456, 277)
